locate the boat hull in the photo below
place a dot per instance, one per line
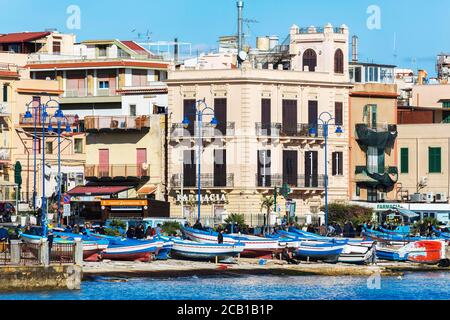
(425, 252)
(319, 251)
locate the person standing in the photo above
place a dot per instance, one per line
(220, 237)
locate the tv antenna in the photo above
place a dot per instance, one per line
(248, 22)
(143, 36)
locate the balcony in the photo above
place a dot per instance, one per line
(300, 182)
(73, 96)
(208, 131)
(116, 173)
(386, 179)
(268, 129)
(299, 131)
(24, 122)
(208, 181)
(380, 135)
(5, 110)
(116, 123)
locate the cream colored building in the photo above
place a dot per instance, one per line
(268, 134)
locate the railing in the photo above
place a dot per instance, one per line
(5, 154)
(116, 123)
(5, 253)
(379, 127)
(72, 119)
(115, 171)
(62, 253)
(207, 181)
(268, 129)
(208, 131)
(30, 253)
(315, 30)
(301, 181)
(302, 130)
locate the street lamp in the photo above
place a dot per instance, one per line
(199, 112)
(41, 109)
(327, 120)
(59, 116)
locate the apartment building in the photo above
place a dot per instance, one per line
(268, 133)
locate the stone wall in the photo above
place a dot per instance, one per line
(35, 278)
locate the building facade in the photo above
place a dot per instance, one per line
(268, 135)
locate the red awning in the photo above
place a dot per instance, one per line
(97, 190)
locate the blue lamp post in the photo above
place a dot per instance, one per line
(327, 120)
(41, 109)
(59, 117)
(200, 109)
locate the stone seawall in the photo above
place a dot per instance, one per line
(36, 278)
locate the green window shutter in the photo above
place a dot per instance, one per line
(434, 160)
(404, 160)
(381, 161)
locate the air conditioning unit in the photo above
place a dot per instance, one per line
(417, 198)
(381, 196)
(72, 175)
(429, 197)
(441, 197)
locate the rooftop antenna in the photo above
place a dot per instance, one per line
(248, 22)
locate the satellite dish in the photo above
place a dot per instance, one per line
(242, 56)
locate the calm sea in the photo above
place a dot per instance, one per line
(423, 286)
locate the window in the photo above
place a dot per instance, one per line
(103, 85)
(358, 74)
(49, 147)
(338, 113)
(132, 110)
(102, 51)
(78, 145)
(372, 194)
(375, 160)
(337, 165)
(5, 93)
(57, 47)
(434, 160)
(372, 74)
(404, 160)
(358, 191)
(338, 61)
(310, 60)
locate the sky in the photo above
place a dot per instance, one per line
(407, 33)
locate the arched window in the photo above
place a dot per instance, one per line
(310, 60)
(339, 61)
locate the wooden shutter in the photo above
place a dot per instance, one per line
(434, 160)
(220, 111)
(189, 112)
(220, 168)
(266, 116)
(404, 160)
(313, 114)
(290, 117)
(189, 168)
(338, 113)
(290, 167)
(264, 168)
(311, 169)
(103, 160)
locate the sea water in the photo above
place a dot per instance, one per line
(421, 286)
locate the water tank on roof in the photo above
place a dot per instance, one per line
(263, 43)
(273, 41)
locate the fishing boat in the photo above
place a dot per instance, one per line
(92, 249)
(441, 234)
(187, 249)
(127, 249)
(164, 248)
(255, 247)
(357, 253)
(425, 251)
(327, 251)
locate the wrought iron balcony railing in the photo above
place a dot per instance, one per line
(301, 181)
(208, 180)
(72, 119)
(118, 123)
(300, 130)
(208, 130)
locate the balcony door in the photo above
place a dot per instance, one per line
(290, 167)
(290, 117)
(220, 168)
(141, 159)
(265, 117)
(220, 112)
(264, 168)
(76, 84)
(189, 106)
(189, 168)
(313, 114)
(103, 161)
(311, 169)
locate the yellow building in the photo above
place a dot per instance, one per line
(373, 142)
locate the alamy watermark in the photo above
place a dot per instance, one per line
(374, 19)
(73, 22)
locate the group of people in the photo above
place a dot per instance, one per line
(139, 232)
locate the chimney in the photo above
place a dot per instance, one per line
(240, 6)
(355, 48)
(176, 51)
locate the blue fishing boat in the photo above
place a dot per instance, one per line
(187, 249)
(441, 234)
(324, 251)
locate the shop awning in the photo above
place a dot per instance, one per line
(97, 190)
(147, 189)
(408, 213)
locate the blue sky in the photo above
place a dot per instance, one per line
(420, 27)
